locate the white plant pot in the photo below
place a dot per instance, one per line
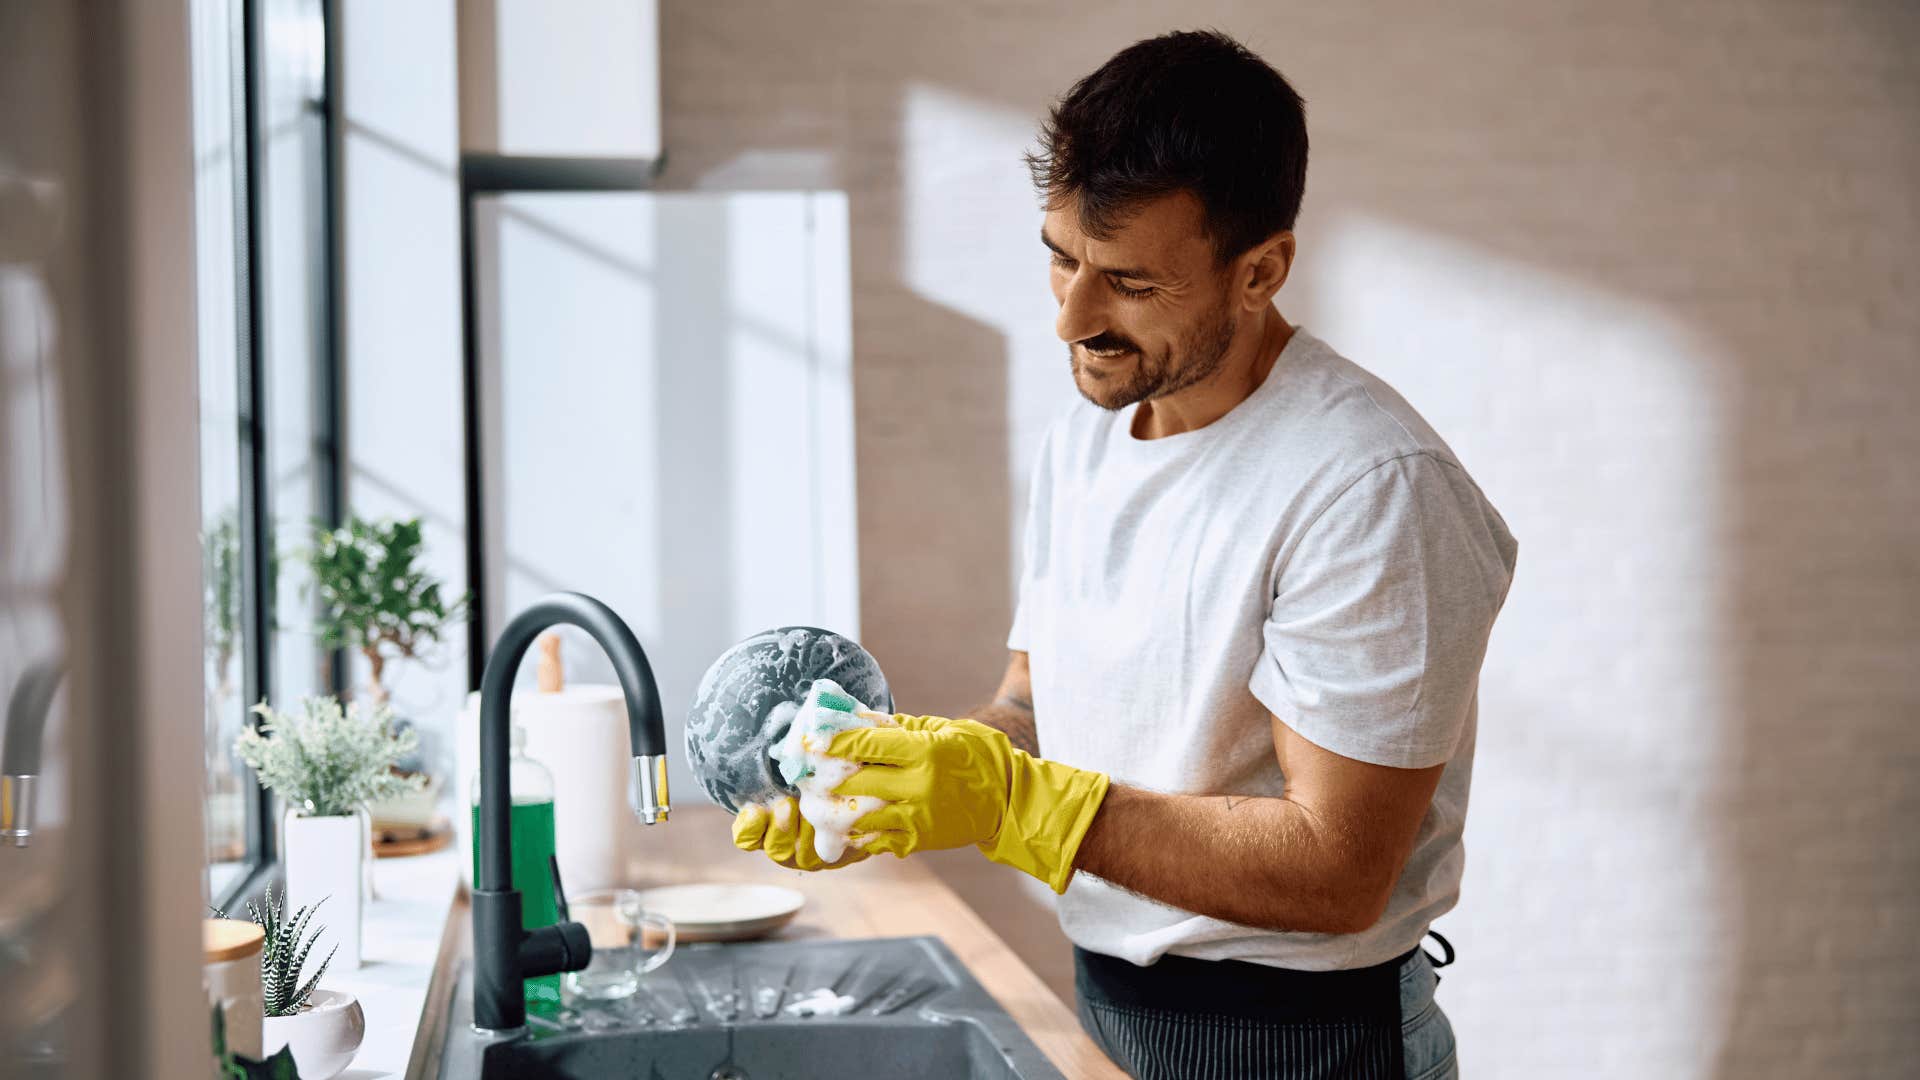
(325, 858)
(324, 1036)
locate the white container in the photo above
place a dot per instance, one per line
(325, 858)
(324, 1036)
(580, 734)
(230, 969)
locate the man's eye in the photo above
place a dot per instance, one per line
(1133, 293)
(1063, 262)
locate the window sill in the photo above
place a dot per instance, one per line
(400, 937)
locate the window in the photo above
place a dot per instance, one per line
(264, 267)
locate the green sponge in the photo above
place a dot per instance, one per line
(836, 702)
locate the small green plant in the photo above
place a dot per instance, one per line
(284, 953)
(376, 598)
(329, 760)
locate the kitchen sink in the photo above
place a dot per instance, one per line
(888, 1007)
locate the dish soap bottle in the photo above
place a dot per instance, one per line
(529, 830)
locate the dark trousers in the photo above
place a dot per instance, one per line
(1185, 1019)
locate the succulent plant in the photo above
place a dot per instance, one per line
(284, 953)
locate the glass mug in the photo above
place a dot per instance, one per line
(628, 941)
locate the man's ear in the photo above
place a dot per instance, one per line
(1264, 270)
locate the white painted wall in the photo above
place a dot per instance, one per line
(1649, 268)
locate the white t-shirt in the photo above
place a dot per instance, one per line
(1317, 553)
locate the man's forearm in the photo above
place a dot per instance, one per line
(1013, 715)
(1265, 862)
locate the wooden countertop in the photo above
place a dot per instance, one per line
(881, 897)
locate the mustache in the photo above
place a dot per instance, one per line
(1107, 343)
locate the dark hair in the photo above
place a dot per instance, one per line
(1192, 110)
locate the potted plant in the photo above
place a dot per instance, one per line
(375, 598)
(321, 1029)
(326, 764)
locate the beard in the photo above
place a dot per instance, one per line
(1196, 356)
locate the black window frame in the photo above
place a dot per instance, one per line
(256, 511)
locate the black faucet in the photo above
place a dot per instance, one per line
(20, 750)
(504, 955)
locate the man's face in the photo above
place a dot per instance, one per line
(1145, 313)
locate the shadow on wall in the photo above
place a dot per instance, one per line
(1746, 172)
(933, 512)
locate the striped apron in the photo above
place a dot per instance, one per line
(1187, 1019)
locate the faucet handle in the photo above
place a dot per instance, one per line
(551, 950)
(647, 787)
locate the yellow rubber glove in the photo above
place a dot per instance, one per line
(949, 783)
(786, 837)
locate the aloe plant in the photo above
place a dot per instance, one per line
(284, 953)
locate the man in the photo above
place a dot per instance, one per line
(1256, 596)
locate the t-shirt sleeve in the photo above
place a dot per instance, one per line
(1017, 633)
(1381, 614)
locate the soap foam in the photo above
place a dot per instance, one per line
(814, 773)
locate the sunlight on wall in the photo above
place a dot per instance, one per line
(1595, 426)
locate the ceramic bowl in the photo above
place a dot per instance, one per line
(748, 698)
(324, 1036)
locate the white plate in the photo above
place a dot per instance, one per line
(724, 912)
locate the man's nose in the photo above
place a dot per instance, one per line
(1082, 312)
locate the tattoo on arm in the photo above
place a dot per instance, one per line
(1013, 715)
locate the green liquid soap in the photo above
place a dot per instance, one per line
(530, 830)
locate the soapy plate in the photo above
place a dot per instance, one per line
(722, 911)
